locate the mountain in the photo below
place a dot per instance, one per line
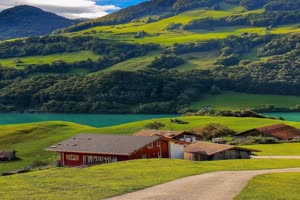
(23, 21)
(160, 56)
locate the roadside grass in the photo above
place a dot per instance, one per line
(283, 186)
(285, 149)
(237, 101)
(31, 60)
(108, 180)
(30, 140)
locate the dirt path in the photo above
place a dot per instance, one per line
(211, 186)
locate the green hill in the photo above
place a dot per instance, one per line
(156, 57)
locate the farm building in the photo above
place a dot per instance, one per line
(279, 131)
(7, 155)
(87, 149)
(201, 151)
(175, 135)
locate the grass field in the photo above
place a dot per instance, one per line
(108, 180)
(30, 140)
(67, 57)
(236, 101)
(286, 149)
(283, 186)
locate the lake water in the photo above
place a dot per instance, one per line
(289, 116)
(96, 120)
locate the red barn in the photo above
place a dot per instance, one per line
(87, 149)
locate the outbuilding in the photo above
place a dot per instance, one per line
(202, 151)
(7, 155)
(279, 131)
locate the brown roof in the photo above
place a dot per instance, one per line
(281, 131)
(208, 149)
(166, 134)
(103, 144)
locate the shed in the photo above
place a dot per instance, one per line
(7, 155)
(279, 131)
(201, 151)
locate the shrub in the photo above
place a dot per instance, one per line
(155, 125)
(211, 131)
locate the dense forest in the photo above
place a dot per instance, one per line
(158, 88)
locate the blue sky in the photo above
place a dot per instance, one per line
(74, 8)
(119, 3)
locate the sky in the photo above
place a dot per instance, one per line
(74, 8)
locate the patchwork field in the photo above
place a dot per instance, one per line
(23, 62)
(30, 140)
(237, 101)
(272, 187)
(108, 180)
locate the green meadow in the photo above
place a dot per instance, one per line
(23, 62)
(30, 140)
(99, 182)
(285, 149)
(237, 101)
(283, 186)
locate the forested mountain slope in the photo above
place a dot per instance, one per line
(156, 57)
(23, 21)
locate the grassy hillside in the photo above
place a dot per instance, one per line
(286, 149)
(30, 140)
(158, 33)
(23, 62)
(237, 101)
(108, 180)
(271, 187)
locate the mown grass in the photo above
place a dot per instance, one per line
(283, 186)
(285, 149)
(236, 101)
(30, 140)
(22, 62)
(108, 180)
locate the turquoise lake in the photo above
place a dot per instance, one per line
(96, 120)
(289, 116)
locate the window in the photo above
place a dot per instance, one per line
(158, 143)
(144, 156)
(72, 157)
(159, 155)
(150, 146)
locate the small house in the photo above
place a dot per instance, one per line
(279, 131)
(202, 151)
(175, 135)
(86, 149)
(7, 155)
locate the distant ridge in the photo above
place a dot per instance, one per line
(24, 20)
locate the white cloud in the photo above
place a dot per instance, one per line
(66, 8)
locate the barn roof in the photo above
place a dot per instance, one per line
(208, 149)
(164, 133)
(103, 144)
(281, 131)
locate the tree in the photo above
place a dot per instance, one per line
(211, 131)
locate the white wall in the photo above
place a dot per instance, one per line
(176, 150)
